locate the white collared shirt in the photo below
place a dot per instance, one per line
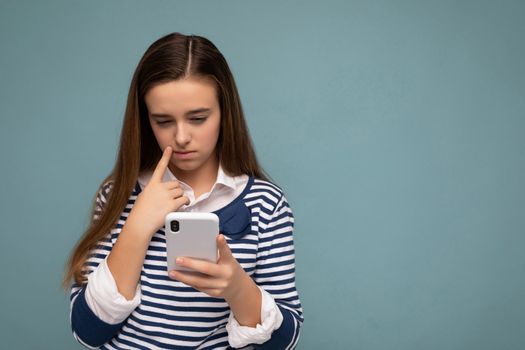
(110, 306)
(225, 189)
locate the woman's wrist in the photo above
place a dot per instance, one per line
(139, 227)
(245, 303)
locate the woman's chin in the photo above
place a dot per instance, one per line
(187, 165)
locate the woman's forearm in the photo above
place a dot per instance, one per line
(127, 257)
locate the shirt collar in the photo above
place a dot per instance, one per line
(222, 178)
(225, 179)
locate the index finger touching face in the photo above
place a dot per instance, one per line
(159, 171)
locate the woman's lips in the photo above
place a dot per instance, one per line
(184, 155)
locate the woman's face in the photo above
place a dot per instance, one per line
(185, 114)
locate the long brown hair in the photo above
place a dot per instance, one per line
(172, 57)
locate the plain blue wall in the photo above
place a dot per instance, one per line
(395, 127)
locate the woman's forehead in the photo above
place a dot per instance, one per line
(180, 96)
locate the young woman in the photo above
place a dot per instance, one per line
(185, 146)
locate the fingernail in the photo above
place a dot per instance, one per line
(179, 261)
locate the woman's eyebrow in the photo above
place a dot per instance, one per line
(193, 111)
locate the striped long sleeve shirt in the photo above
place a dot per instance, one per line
(258, 225)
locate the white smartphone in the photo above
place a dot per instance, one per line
(191, 234)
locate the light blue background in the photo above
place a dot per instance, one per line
(396, 129)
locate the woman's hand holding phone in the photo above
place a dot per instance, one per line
(225, 279)
(222, 279)
(158, 198)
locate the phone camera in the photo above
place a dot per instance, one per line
(175, 226)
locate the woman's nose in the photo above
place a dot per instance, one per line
(182, 135)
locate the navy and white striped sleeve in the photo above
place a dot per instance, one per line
(88, 329)
(275, 272)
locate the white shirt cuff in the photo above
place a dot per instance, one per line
(104, 299)
(271, 318)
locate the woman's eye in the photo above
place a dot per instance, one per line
(198, 119)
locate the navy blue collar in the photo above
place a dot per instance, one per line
(234, 218)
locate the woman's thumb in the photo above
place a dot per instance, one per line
(224, 248)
